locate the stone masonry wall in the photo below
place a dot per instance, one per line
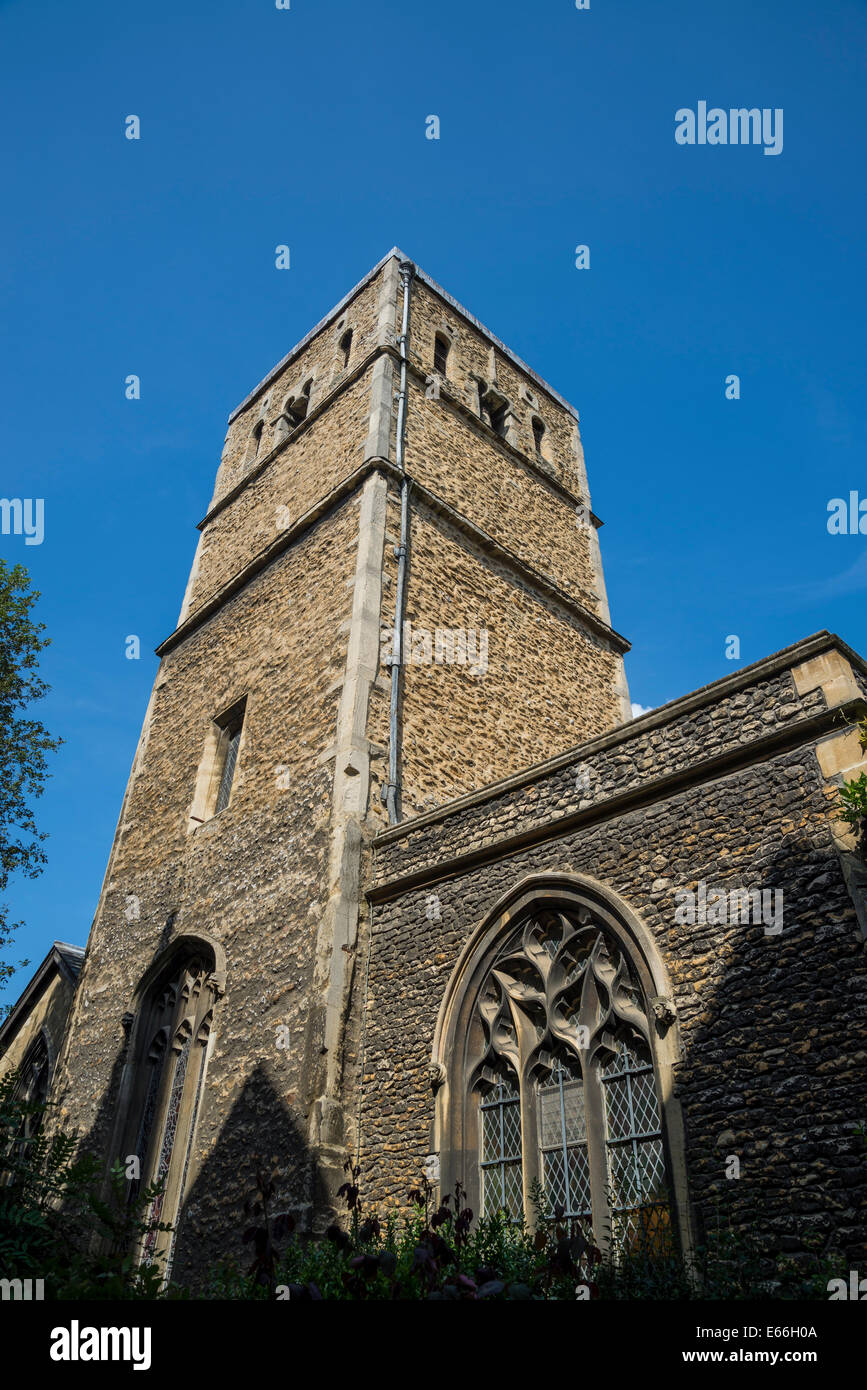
(473, 354)
(50, 1011)
(470, 469)
(547, 683)
(773, 1027)
(629, 757)
(310, 466)
(252, 877)
(320, 359)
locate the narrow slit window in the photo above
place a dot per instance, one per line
(441, 354)
(493, 409)
(498, 420)
(538, 434)
(254, 441)
(346, 346)
(227, 776)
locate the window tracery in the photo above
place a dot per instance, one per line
(173, 1036)
(560, 1054)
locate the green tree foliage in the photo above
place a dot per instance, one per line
(24, 741)
(59, 1222)
(853, 800)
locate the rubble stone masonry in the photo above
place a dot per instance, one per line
(725, 786)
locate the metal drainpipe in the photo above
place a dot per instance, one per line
(392, 791)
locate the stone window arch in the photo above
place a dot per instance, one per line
(557, 1053)
(166, 1074)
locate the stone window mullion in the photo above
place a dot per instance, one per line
(597, 1156)
(529, 1141)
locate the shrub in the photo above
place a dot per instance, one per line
(55, 1223)
(439, 1253)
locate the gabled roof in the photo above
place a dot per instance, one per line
(63, 959)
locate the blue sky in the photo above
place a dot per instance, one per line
(307, 127)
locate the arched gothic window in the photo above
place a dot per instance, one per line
(33, 1077)
(31, 1087)
(172, 1035)
(558, 1080)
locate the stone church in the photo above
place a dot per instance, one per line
(397, 877)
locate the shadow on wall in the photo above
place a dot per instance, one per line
(771, 1073)
(259, 1133)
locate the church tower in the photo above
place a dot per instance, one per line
(396, 598)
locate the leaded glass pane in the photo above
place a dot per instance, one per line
(625, 1228)
(502, 1173)
(228, 769)
(554, 1177)
(631, 1055)
(625, 1179)
(562, 1141)
(491, 1134)
(511, 1130)
(617, 1108)
(579, 1181)
(644, 1107)
(636, 1163)
(651, 1167)
(549, 1117)
(574, 1113)
(492, 1189)
(168, 1143)
(513, 1199)
(645, 1230)
(551, 937)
